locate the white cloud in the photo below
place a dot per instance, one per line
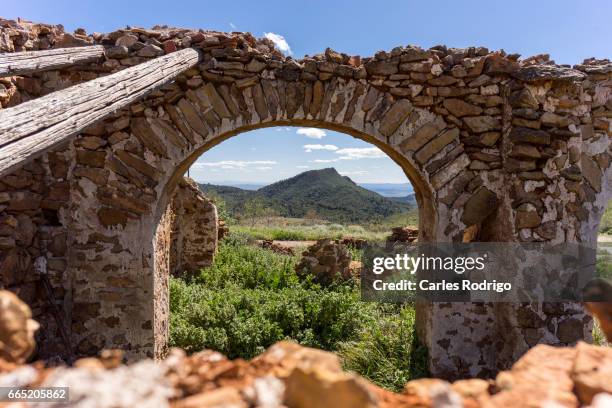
(233, 26)
(263, 168)
(280, 42)
(283, 129)
(354, 153)
(351, 153)
(234, 164)
(310, 147)
(302, 167)
(312, 133)
(354, 173)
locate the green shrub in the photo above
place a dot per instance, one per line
(287, 235)
(386, 351)
(240, 265)
(605, 226)
(242, 322)
(356, 254)
(603, 265)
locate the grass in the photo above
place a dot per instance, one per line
(598, 336)
(605, 226)
(251, 298)
(306, 233)
(387, 351)
(303, 229)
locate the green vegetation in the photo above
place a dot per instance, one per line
(605, 227)
(603, 265)
(296, 229)
(598, 336)
(316, 194)
(387, 352)
(251, 298)
(301, 229)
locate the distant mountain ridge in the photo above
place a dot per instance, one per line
(325, 192)
(384, 189)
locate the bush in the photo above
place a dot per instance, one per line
(240, 265)
(386, 350)
(605, 225)
(603, 266)
(242, 322)
(287, 235)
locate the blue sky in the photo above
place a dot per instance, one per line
(268, 155)
(568, 30)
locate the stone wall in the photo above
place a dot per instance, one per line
(193, 230)
(510, 149)
(185, 241)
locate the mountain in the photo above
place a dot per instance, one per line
(331, 196)
(389, 189)
(410, 198)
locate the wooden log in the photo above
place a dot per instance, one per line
(32, 128)
(19, 63)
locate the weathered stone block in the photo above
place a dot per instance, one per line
(527, 219)
(460, 108)
(436, 144)
(591, 171)
(399, 111)
(422, 135)
(526, 135)
(480, 124)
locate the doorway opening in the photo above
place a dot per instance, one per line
(294, 208)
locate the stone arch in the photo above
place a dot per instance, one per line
(412, 124)
(156, 147)
(423, 191)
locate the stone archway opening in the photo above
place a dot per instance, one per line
(165, 237)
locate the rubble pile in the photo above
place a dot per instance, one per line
(327, 260)
(403, 235)
(357, 243)
(289, 375)
(276, 247)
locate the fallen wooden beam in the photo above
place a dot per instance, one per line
(32, 128)
(19, 63)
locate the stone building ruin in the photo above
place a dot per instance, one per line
(517, 150)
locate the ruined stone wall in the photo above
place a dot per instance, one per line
(185, 241)
(193, 230)
(517, 150)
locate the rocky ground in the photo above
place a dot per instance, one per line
(289, 375)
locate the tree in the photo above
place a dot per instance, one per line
(219, 202)
(254, 208)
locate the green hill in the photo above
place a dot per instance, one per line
(325, 192)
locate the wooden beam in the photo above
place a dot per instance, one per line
(19, 63)
(32, 128)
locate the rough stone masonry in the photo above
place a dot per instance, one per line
(510, 149)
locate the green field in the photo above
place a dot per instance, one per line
(251, 298)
